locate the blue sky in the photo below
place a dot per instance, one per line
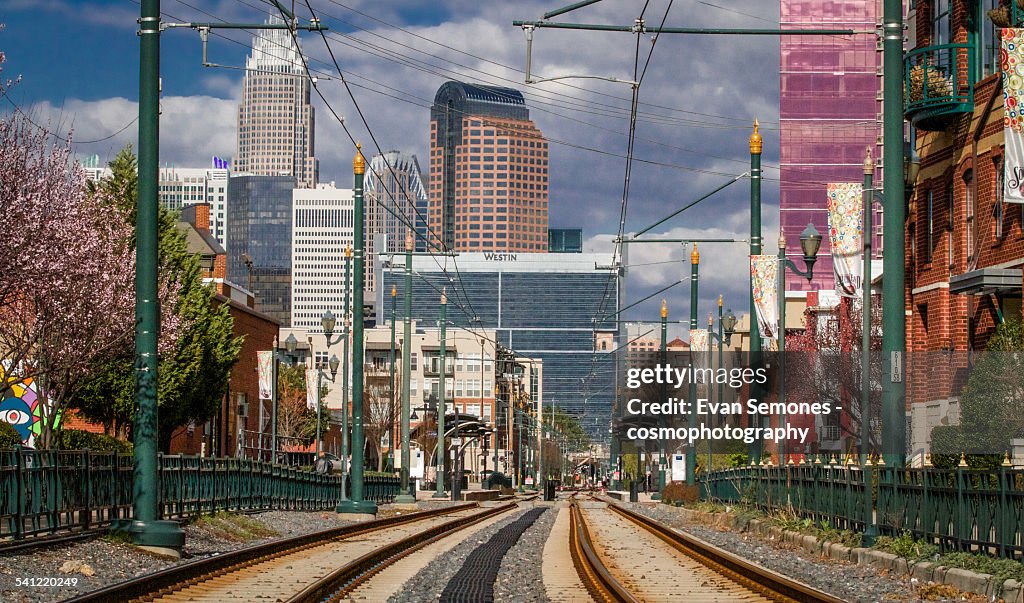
(78, 63)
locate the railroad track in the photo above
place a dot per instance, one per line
(622, 556)
(316, 567)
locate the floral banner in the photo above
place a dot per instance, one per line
(764, 281)
(699, 350)
(265, 373)
(845, 230)
(1012, 59)
(312, 385)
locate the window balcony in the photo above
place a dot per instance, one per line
(938, 85)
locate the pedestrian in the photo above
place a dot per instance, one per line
(323, 464)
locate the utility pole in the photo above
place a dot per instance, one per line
(756, 143)
(345, 465)
(356, 505)
(406, 496)
(691, 451)
(165, 537)
(870, 527)
(893, 286)
(146, 531)
(391, 406)
(440, 453)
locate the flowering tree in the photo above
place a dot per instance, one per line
(824, 364)
(66, 305)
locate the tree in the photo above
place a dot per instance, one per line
(824, 364)
(295, 419)
(991, 404)
(66, 305)
(195, 367)
(378, 417)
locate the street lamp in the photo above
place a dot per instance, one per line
(810, 242)
(328, 322)
(290, 343)
(726, 328)
(333, 364)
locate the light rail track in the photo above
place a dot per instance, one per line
(304, 568)
(623, 556)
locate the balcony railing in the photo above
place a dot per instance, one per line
(938, 84)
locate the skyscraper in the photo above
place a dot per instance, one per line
(260, 240)
(321, 229)
(830, 112)
(275, 119)
(395, 199)
(181, 187)
(488, 171)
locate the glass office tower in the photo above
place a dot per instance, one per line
(830, 112)
(541, 306)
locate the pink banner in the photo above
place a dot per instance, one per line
(1013, 116)
(266, 374)
(764, 282)
(845, 226)
(312, 384)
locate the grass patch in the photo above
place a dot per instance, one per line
(826, 533)
(116, 538)
(1002, 569)
(705, 506)
(234, 526)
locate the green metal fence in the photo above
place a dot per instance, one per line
(44, 491)
(958, 509)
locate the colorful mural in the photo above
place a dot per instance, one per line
(21, 407)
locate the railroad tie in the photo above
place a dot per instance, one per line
(474, 582)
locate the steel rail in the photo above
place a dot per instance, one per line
(173, 578)
(342, 581)
(595, 576)
(762, 580)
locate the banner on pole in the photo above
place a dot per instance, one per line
(764, 288)
(678, 467)
(845, 231)
(312, 386)
(266, 374)
(1012, 59)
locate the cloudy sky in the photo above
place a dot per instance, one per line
(78, 64)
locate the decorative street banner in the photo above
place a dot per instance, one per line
(699, 348)
(312, 386)
(266, 374)
(1012, 56)
(845, 226)
(765, 283)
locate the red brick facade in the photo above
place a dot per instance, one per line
(956, 224)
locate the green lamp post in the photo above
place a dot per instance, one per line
(407, 496)
(356, 505)
(440, 453)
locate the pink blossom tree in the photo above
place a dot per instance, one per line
(67, 300)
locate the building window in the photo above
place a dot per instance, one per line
(940, 22)
(997, 207)
(930, 227)
(969, 213)
(989, 40)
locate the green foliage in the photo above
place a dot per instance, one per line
(676, 492)
(9, 436)
(570, 428)
(990, 405)
(738, 459)
(788, 519)
(905, 546)
(193, 379)
(1002, 569)
(826, 533)
(74, 439)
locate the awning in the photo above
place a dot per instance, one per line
(986, 281)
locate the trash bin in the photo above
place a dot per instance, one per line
(634, 496)
(549, 489)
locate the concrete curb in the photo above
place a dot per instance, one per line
(964, 580)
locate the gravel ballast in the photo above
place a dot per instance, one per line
(519, 578)
(111, 561)
(848, 581)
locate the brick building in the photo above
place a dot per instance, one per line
(239, 410)
(964, 245)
